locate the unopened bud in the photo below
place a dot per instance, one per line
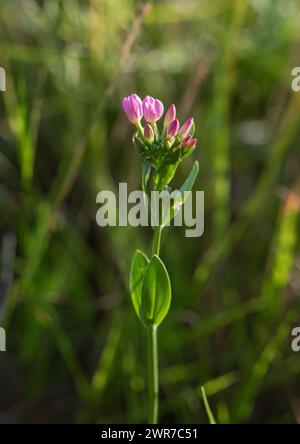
(186, 127)
(173, 128)
(188, 143)
(148, 133)
(170, 116)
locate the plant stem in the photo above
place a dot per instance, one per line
(152, 347)
(156, 240)
(153, 374)
(154, 126)
(140, 129)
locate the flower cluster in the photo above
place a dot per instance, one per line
(168, 146)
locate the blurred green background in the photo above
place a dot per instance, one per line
(75, 348)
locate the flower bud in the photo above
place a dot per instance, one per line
(186, 127)
(148, 133)
(173, 128)
(153, 109)
(133, 108)
(170, 116)
(188, 143)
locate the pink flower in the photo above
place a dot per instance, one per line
(148, 133)
(153, 109)
(173, 128)
(170, 116)
(188, 143)
(133, 108)
(186, 127)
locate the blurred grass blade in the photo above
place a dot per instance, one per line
(207, 407)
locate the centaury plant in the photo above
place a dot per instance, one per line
(162, 151)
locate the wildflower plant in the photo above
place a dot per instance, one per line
(162, 150)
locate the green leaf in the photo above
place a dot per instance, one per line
(189, 183)
(146, 169)
(156, 293)
(138, 268)
(180, 196)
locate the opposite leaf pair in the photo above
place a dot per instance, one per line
(150, 289)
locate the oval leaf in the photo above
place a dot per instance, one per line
(138, 268)
(156, 293)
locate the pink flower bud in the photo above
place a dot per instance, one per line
(152, 108)
(192, 144)
(173, 128)
(188, 143)
(170, 116)
(186, 127)
(133, 108)
(148, 133)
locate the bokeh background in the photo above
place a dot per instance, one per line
(75, 349)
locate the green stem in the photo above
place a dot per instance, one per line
(140, 129)
(153, 374)
(152, 347)
(154, 126)
(156, 240)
